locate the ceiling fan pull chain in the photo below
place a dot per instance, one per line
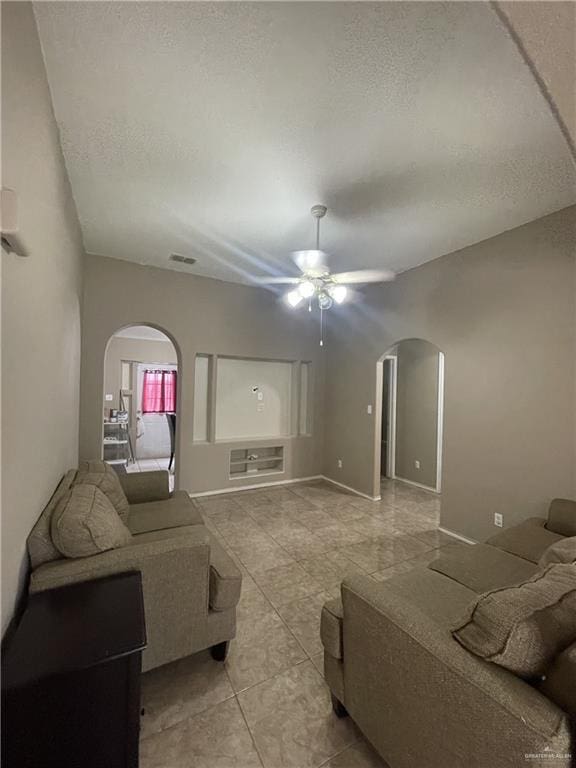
(321, 326)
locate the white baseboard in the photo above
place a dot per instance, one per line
(293, 481)
(458, 536)
(352, 490)
(416, 485)
(237, 488)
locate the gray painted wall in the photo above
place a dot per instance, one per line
(417, 411)
(201, 316)
(40, 301)
(503, 312)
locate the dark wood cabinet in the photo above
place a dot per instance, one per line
(71, 677)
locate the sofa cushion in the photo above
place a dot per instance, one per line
(522, 628)
(528, 540)
(175, 512)
(225, 579)
(482, 568)
(559, 680)
(563, 551)
(99, 473)
(85, 523)
(562, 517)
(40, 546)
(331, 627)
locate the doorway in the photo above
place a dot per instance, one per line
(140, 401)
(410, 386)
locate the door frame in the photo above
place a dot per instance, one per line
(440, 423)
(391, 407)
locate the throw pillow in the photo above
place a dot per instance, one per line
(101, 474)
(563, 551)
(522, 628)
(85, 523)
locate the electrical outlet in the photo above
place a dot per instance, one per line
(498, 519)
(369, 409)
(417, 464)
(339, 463)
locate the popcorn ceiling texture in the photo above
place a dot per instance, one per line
(208, 130)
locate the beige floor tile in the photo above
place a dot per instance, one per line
(176, 691)
(212, 505)
(279, 495)
(303, 620)
(284, 526)
(216, 737)
(339, 535)
(330, 568)
(377, 554)
(359, 755)
(315, 518)
(291, 720)
(253, 499)
(299, 504)
(286, 583)
(346, 513)
(318, 661)
(302, 543)
(263, 647)
(372, 526)
(252, 603)
(260, 557)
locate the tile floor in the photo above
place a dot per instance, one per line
(267, 706)
(148, 465)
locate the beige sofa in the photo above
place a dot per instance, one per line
(191, 586)
(419, 697)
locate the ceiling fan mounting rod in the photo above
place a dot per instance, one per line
(318, 211)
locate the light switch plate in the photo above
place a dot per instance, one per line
(109, 398)
(369, 409)
(498, 519)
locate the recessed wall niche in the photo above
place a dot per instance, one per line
(241, 398)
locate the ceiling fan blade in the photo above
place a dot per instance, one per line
(364, 276)
(277, 280)
(311, 261)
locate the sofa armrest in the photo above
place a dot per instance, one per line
(174, 582)
(141, 487)
(404, 673)
(331, 627)
(562, 517)
(225, 579)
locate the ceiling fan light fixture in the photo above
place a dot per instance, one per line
(293, 298)
(339, 293)
(306, 289)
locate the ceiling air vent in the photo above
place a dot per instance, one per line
(182, 259)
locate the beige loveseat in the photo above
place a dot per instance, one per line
(419, 697)
(191, 586)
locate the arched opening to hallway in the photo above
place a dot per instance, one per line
(140, 400)
(409, 416)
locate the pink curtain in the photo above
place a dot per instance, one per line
(159, 392)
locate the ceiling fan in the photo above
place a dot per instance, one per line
(316, 280)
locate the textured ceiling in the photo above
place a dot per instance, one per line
(209, 129)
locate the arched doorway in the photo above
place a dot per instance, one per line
(410, 415)
(140, 400)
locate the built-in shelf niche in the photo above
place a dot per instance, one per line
(256, 462)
